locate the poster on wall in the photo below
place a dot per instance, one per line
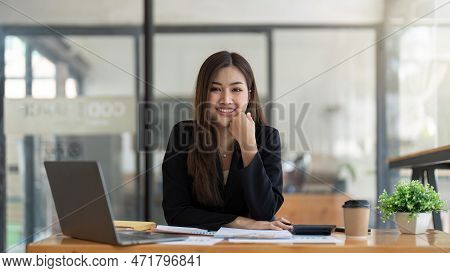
(76, 116)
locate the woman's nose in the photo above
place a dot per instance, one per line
(226, 97)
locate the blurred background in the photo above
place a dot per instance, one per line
(347, 83)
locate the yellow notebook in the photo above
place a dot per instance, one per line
(135, 225)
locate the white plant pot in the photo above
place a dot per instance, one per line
(417, 225)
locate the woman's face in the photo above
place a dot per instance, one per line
(228, 95)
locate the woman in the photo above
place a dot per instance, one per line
(224, 167)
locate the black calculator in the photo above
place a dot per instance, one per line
(324, 230)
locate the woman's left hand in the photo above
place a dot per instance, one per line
(242, 128)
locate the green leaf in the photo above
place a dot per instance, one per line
(412, 197)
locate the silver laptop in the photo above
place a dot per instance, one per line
(83, 205)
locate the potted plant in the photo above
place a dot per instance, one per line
(411, 205)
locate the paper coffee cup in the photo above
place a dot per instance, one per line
(356, 218)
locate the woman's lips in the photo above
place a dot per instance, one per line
(226, 111)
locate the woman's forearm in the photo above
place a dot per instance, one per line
(248, 153)
(241, 222)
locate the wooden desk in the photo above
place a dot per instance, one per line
(422, 162)
(425, 158)
(378, 241)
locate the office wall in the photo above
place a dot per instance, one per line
(404, 11)
(117, 12)
(269, 12)
(73, 12)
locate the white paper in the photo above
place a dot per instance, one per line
(196, 240)
(182, 230)
(252, 233)
(296, 239)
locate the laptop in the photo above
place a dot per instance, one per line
(84, 209)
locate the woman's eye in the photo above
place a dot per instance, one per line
(214, 89)
(237, 90)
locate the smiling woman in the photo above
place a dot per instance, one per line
(228, 121)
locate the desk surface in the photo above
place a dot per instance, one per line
(422, 158)
(378, 241)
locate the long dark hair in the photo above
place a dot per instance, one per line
(201, 159)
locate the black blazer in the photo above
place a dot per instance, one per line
(254, 191)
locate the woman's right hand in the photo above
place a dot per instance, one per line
(247, 223)
(278, 224)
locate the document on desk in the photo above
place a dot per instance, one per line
(182, 230)
(196, 240)
(252, 233)
(296, 239)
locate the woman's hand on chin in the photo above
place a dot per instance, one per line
(242, 128)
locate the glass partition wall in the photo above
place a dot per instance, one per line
(418, 61)
(329, 135)
(68, 98)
